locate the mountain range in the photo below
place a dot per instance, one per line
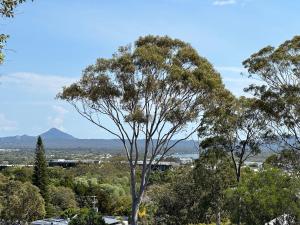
(57, 139)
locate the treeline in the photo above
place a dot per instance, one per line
(207, 193)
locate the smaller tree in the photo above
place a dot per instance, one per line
(61, 199)
(113, 199)
(237, 127)
(179, 202)
(264, 196)
(213, 174)
(21, 202)
(40, 173)
(87, 217)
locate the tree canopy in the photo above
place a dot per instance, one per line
(20, 202)
(264, 196)
(152, 91)
(236, 126)
(279, 95)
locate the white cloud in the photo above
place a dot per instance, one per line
(59, 109)
(230, 2)
(236, 79)
(224, 2)
(6, 124)
(57, 120)
(34, 82)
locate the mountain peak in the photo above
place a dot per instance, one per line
(55, 133)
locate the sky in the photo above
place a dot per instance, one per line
(52, 41)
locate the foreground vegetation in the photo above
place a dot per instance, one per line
(203, 194)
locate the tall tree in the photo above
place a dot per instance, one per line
(40, 173)
(279, 96)
(152, 91)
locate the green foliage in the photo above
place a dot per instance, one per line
(166, 71)
(60, 200)
(87, 217)
(279, 96)
(236, 126)
(197, 195)
(20, 201)
(23, 174)
(40, 176)
(161, 178)
(114, 199)
(109, 182)
(213, 175)
(59, 176)
(264, 196)
(288, 160)
(3, 39)
(180, 202)
(154, 89)
(7, 7)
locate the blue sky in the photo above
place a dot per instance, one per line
(52, 41)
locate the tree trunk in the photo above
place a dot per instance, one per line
(239, 201)
(136, 195)
(218, 217)
(134, 212)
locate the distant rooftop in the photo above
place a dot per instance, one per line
(115, 220)
(51, 222)
(110, 220)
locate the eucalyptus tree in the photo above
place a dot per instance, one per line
(279, 96)
(155, 91)
(236, 126)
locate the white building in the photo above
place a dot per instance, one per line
(284, 219)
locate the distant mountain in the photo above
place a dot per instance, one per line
(56, 139)
(55, 133)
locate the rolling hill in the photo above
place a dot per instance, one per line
(57, 139)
